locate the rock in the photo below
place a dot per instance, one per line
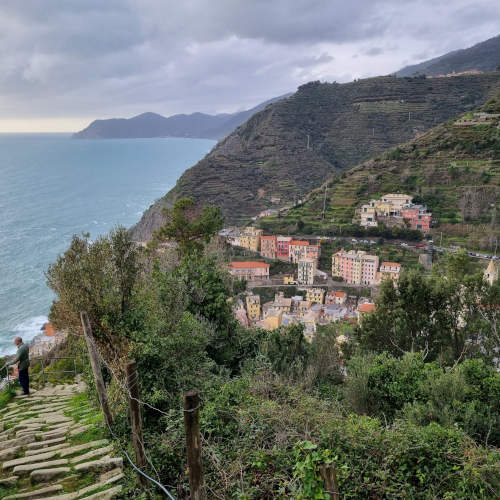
(105, 463)
(27, 468)
(42, 444)
(36, 493)
(47, 474)
(92, 454)
(84, 446)
(29, 459)
(10, 453)
(9, 481)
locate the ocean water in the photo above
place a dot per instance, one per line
(52, 187)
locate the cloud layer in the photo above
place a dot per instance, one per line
(72, 58)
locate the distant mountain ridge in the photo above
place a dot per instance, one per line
(484, 56)
(293, 145)
(194, 125)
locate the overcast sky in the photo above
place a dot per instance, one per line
(66, 62)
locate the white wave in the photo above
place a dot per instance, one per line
(26, 330)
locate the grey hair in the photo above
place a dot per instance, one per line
(18, 339)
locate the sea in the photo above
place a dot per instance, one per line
(52, 187)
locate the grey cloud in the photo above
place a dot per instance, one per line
(98, 58)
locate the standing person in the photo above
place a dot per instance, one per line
(23, 357)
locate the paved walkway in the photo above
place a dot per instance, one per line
(47, 449)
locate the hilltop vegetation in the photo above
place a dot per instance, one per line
(268, 157)
(453, 169)
(484, 56)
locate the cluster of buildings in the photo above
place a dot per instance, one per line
(284, 248)
(316, 308)
(44, 342)
(396, 206)
(360, 268)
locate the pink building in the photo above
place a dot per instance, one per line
(418, 216)
(355, 267)
(268, 246)
(283, 247)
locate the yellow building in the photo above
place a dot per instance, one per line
(397, 200)
(368, 216)
(288, 279)
(250, 238)
(315, 295)
(253, 307)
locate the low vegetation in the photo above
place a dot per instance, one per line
(406, 407)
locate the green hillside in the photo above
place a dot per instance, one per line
(293, 145)
(454, 169)
(484, 56)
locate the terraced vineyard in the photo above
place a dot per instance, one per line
(454, 169)
(52, 447)
(294, 145)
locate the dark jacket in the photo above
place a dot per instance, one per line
(22, 356)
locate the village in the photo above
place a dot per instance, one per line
(344, 294)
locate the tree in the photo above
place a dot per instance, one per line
(189, 225)
(98, 277)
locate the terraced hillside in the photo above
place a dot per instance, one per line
(293, 145)
(51, 447)
(454, 169)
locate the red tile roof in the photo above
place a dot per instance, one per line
(299, 242)
(391, 264)
(248, 265)
(366, 308)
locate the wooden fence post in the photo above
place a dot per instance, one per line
(96, 368)
(193, 444)
(329, 476)
(135, 417)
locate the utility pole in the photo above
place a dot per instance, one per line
(96, 368)
(329, 476)
(324, 201)
(441, 240)
(135, 417)
(193, 444)
(308, 142)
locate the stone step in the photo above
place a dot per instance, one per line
(40, 492)
(51, 435)
(79, 429)
(57, 447)
(29, 459)
(103, 464)
(9, 481)
(82, 447)
(92, 454)
(27, 468)
(105, 495)
(41, 444)
(25, 440)
(10, 453)
(39, 475)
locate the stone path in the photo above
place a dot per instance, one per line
(48, 449)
